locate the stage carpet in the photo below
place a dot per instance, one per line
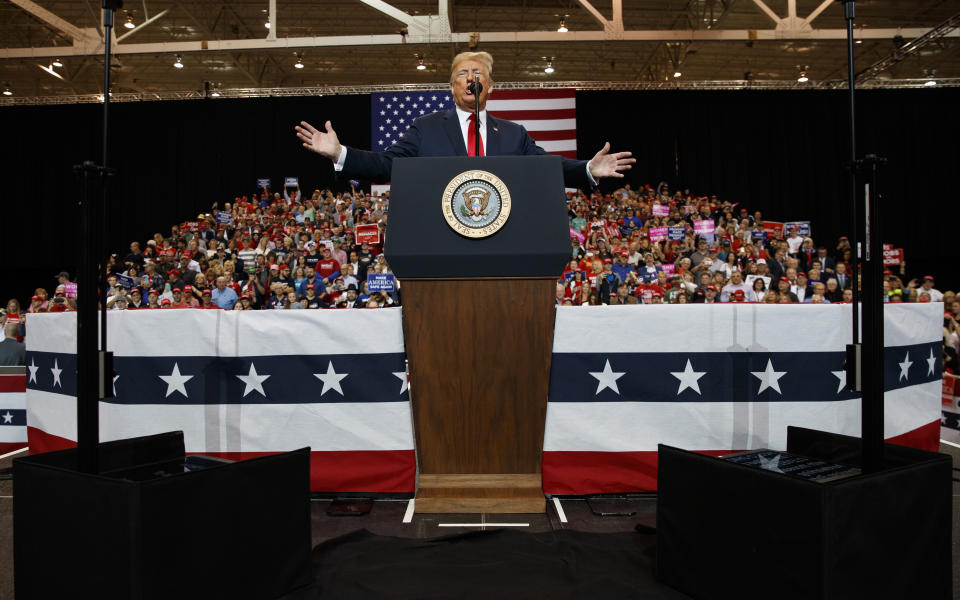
(490, 564)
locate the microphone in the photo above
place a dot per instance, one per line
(475, 88)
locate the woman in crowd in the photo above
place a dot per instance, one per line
(759, 288)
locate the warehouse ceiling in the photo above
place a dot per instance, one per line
(346, 45)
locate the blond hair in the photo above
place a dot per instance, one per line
(483, 58)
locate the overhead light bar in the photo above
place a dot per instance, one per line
(51, 71)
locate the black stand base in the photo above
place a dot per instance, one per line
(726, 530)
(146, 529)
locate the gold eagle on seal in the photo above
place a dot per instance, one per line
(475, 203)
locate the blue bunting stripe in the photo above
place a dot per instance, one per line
(235, 380)
(728, 376)
(16, 417)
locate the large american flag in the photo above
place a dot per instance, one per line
(550, 116)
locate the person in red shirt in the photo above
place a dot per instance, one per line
(328, 268)
(178, 300)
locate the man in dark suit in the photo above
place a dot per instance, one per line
(450, 133)
(12, 352)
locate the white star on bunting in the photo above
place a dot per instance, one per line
(931, 362)
(607, 379)
(331, 379)
(252, 381)
(402, 376)
(7, 417)
(33, 370)
(56, 373)
(689, 378)
(769, 378)
(177, 382)
(842, 376)
(905, 367)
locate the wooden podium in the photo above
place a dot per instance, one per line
(478, 319)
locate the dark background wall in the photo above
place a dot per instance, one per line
(777, 151)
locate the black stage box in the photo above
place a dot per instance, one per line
(146, 529)
(726, 530)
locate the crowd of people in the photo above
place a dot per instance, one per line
(288, 251)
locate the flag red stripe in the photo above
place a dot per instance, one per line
(579, 473)
(553, 135)
(500, 94)
(6, 447)
(376, 471)
(566, 153)
(13, 383)
(535, 115)
(925, 438)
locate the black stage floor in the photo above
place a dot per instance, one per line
(566, 553)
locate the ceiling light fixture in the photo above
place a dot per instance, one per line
(930, 82)
(129, 24)
(677, 74)
(215, 92)
(421, 66)
(549, 68)
(178, 64)
(563, 27)
(267, 24)
(6, 90)
(803, 74)
(299, 63)
(57, 63)
(51, 71)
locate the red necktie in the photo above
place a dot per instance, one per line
(472, 137)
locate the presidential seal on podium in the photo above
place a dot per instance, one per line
(476, 204)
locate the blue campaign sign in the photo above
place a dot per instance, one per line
(225, 218)
(676, 234)
(289, 182)
(803, 227)
(757, 234)
(263, 183)
(126, 281)
(380, 282)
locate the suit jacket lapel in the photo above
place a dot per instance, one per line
(493, 136)
(452, 126)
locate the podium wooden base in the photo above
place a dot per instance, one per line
(479, 354)
(512, 493)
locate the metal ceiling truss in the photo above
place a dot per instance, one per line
(909, 48)
(368, 89)
(435, 29)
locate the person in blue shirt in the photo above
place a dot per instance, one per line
(223, 296)
(622, 268)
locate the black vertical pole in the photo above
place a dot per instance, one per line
(865, 353)
(93, 365)
(848, 10)
(871, 404)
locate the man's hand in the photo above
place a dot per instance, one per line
(605, 164)
(323, 143)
